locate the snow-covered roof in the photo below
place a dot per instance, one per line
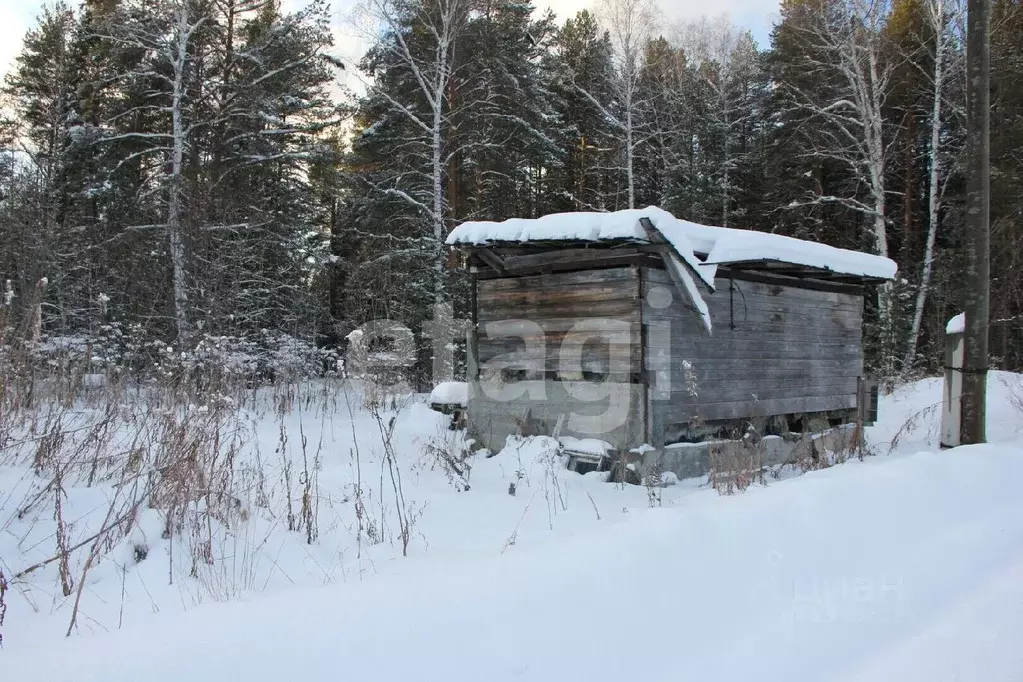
(588, 446)
(716, 245)
(450, 393)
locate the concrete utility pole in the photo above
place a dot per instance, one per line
(978, 212)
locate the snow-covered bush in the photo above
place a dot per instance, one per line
(266, 358)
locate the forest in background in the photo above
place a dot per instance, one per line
(186, 178)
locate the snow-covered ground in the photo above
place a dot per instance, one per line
(907, 565)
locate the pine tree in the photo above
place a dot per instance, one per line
(506, 141)
(46, 242)
(582, 72)
(260, 229)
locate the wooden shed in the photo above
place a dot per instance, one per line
(636, 327)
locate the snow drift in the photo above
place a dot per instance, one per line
(905, 566)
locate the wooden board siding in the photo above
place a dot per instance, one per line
(508, 311)
(775, 350)
(493, 419)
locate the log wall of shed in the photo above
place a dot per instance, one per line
(536, 322)
(550, 329)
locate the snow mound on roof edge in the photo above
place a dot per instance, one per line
(957, 325)
(450, 393)
(722, 245)
(586, 227)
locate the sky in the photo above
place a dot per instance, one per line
(16, 16)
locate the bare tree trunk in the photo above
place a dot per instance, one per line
(978, 210)
(857, 58)
(438, 202)
(629, 24)
(175, 229)
(725, 177)
(432, 76)
(934, 195)
(630, 153)
(885, 298)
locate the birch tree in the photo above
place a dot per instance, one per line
(849, 56)
(944, 16)
(420, 39)
(219, 108)
(846, 53)
(629, 24)
(165, 31)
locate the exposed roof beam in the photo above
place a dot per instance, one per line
(491, 259)
(658, 239)
(678, 271)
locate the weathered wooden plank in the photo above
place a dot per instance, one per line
(760, 310)
(811, 346)
(792, 289)
(790, 292)
(738, 298)
(587, 305)
(819, 345)
(707, 390)
(517, 328)
(562, 260)
(557, 293)
(593, 349)
(849, 363)
(472, 368)
(561, 296)
(724, 301)
(754, 370)
(495, 262)
(784, 338)
(487, 344)
(716, 392)
(567, 255)
(750, 363)
(687, 284)
(756, 322)
(549, 368)
(612, 309)
(726, 318)
(588, 358)
(494, 419)
(754, 310)
(567, 297)
(545, 281)
(845, 287)
(623, 360)
(672, 413)
(751, 309)
(535, 247)
(556, 341)
(763, 376)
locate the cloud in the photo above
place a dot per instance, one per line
(16, 17)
